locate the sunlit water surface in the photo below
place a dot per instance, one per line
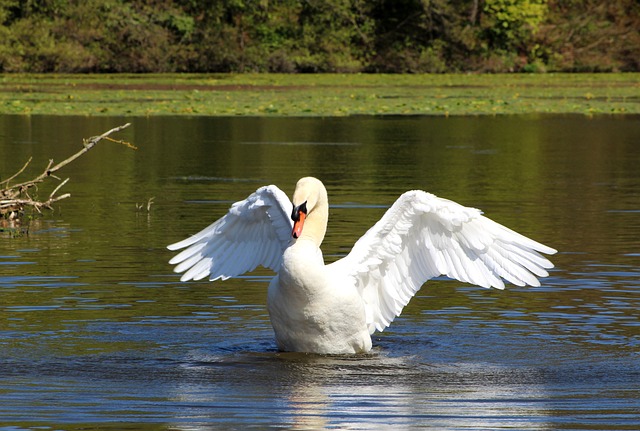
(97, 332)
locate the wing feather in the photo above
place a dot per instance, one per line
(422, 236)
(254, 232)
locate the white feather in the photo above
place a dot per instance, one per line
(254, 232)
(333, 308)
(422, 236)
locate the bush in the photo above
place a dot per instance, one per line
(397, 36)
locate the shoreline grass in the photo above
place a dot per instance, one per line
(318, 95)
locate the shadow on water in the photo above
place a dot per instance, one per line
(96, 332)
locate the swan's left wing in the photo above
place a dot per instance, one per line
(254, 232)
(423, 236)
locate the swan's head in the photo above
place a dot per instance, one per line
(310, 197)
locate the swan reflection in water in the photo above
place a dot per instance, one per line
(372, 391)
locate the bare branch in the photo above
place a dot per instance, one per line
(14, 198)
(17, 173)
(88, 144)
(58, 188)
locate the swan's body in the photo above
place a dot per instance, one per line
(335, 308)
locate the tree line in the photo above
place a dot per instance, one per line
(390, 36)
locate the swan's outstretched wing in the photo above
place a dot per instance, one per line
(254, 232)
(423, 236)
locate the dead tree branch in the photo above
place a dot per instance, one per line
(14, 198)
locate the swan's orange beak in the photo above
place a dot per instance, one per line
(297, 225)
(298, 215)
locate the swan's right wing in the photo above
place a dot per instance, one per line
(254, 232)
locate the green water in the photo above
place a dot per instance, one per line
(97, 332)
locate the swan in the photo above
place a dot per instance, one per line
(335, 308)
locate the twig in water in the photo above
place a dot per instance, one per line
(14, 198)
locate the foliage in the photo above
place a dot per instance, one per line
(592, 36)
(511, 23)
(396, 36)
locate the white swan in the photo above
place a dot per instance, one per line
(334, 309)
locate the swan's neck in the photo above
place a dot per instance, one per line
(315, 225)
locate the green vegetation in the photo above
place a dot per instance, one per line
(391, 36)
(319, 94)
(255, 45)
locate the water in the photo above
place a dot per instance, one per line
(96, 332)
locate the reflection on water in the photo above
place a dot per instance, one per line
(378, 392)
(95, 329)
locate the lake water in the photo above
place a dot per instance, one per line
(96, 332)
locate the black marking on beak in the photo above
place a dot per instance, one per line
(295, 215)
